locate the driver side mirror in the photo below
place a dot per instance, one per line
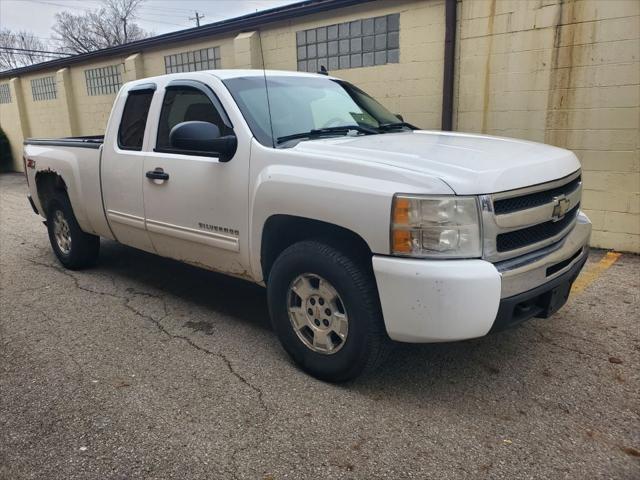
(203, 138)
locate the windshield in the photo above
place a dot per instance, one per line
(302, 104)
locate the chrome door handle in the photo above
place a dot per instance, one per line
(157, 174)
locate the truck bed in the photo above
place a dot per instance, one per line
(90, 141)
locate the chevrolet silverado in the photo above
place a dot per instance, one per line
(363, 228)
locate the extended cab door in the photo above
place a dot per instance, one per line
(196, 206)
(122, 166)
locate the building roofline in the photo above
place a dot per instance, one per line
(243, 22)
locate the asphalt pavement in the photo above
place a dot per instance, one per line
(145, 368)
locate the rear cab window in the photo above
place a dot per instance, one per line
(134, 118)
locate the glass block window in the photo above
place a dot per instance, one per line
(43, 88)
(5, 93)
(205, 59)
(103, 80)
(361, 43)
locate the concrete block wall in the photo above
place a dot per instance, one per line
(154, 58)
(46, 117)
(416, 81)
(14, 121)
(565, 73)
(92, 111)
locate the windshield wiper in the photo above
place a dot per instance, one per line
(318, 132)
(393, 125)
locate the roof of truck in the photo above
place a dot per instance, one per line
(240, 73)
(230, 74)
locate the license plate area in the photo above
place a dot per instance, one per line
(553, 300)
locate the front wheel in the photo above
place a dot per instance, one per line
(325, 310)
(74, 248)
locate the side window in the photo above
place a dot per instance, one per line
(134, 120)
(185, 104)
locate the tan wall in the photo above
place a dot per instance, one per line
(416, 82)
(92, 110)
(565, 73)
(154, 59)
(11, 124)
(562, 72)
(46, 117)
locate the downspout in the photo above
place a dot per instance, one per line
(449, 64)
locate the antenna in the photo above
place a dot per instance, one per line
(266, 89)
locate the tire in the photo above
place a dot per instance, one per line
(366, 341)
(81, 251)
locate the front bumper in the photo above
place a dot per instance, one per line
(541, 302)
(448, 300)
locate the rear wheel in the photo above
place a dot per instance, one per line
(325, 310)
(74, 248)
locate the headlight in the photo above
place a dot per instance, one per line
(440, 226)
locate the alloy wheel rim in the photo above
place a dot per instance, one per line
(317, 314)
(61, 232)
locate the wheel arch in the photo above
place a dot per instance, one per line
(48, 184)
(280, 231)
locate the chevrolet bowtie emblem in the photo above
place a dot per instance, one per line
(561, 206)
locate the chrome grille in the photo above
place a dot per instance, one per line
(537, 233)
(524, 220)
(514, 204)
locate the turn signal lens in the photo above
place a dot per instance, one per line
(401, 209)
(402, 241)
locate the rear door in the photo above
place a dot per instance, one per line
(196, 208)
(122, 167)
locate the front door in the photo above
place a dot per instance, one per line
(195, 205)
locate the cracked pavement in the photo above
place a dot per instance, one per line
(143, 367)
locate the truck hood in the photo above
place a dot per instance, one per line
(470, 164)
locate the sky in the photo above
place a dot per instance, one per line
(157, 16)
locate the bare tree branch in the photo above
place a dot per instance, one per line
(111, 25)
(17, 49)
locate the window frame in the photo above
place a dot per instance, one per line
(44, 88)
(215, 103)
(5, 93)
(359, 43)
(105, 80)
(193, 60)
(136, 90)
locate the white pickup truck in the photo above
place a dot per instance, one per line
(363, 228)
